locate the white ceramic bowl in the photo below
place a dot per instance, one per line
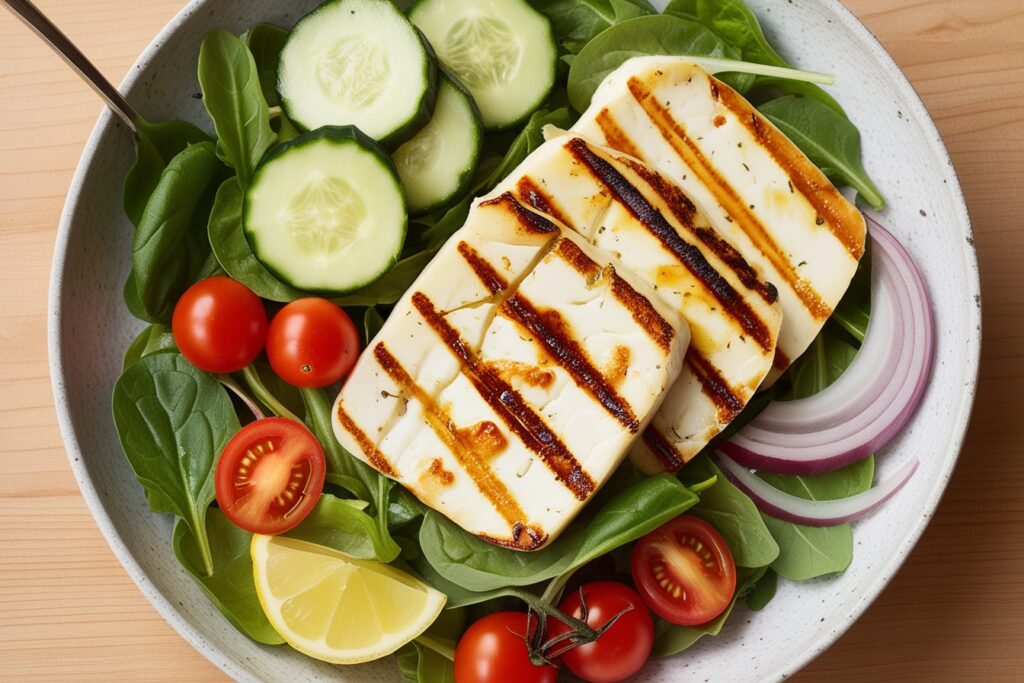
(902, 151)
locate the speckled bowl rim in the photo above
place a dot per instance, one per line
(222, 659)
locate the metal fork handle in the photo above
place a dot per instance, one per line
(55, 38)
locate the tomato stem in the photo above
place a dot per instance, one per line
(542, 606)
(260, 391)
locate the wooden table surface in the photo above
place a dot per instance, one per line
(68, 611)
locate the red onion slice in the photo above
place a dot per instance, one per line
(874, 397)
(782, 505)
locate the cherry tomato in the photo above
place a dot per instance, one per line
(684, 571)
(312, 343)
(219, 325)
(493, 650)
(270, 475)
(620, 651)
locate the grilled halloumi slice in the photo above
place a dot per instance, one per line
(626, 208)
(510, 380)
(761, 193)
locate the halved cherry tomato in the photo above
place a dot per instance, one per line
(494, 650)
(312, 343)
(219, 325)
(620, 651)
(270, 475)
(684, 571)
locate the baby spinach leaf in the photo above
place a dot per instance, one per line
(828, 139)
(853, 311)
(233, 251)
(733, 514)
(155, 146)
(230, 587)
(763, 591)
(173, 420)
(476, 565)
(170, 250)
(393, 285)
(577, 22)
(530, 138)
(337, 524)
(156, 338)
(659, 34)
(372, 323)
(232, 95)
(265, 42)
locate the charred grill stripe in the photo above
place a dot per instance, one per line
(507, 403)
(715, 386)
(676, 137)
(535, 196)
(531, 221)
(438, 420)
(372, 453)
(781, 360)
(732, 258)
(643, 313)
(678, 203)
(668, 457)
(689, 255)
(614, 135)
(840, 216)
(534, 538)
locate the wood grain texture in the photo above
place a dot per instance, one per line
(69, 612)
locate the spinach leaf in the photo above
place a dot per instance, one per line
(530, 138)
(476, 565)
(265, 42)
(233, 251)
(763, 591)
(230, 587)
(733, 514)
(828, 139)
(372, 323)
(156, 338)
(436, 233)
(170, 250)
(659, 34)
(155, 146)
(577, 22)
(338, 524)
(419, 663)
(234, 99)
(393, 285)
(173, 420)
(853, 311)
(286, 394)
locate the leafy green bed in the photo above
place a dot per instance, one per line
(184, 196)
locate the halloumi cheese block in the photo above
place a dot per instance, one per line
(761, 193)
(511, 379)
(628, 209)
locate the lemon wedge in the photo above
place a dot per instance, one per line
(336, 608)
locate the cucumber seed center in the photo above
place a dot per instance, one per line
(353, 71)
(325, 215)
(482, 51)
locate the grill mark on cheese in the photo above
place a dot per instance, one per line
(840, 216)
(781, 360)
(640, 308)
(619, 365)
(463, 450)
(689, 255)
(529, 374)
(665, 452)
(727, 403)
(486, 437)
(614, 135)
(536, 197)
(535, 537)
(531, 221)
(675, 135)
(551, 332)
(372, 453)
(509, 404)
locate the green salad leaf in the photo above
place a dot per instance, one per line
(170, 250)
(230, 587)
(341, 524)
(393, 285)
(763, 591)
(372, 324)
(155, 146)
(233, 96)
(265, 42)
(155, 338)
(853, 311)
(577, 22)
(828, 139)
(173, 420)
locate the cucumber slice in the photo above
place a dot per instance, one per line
(325, 212)
(503, 51)
(358, 62)
(436, 166)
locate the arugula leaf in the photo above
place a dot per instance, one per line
(659, 34)
(733, 514)
(170, 250)
(476, 565)
(155, 146)
(233, 97)
(233, 251)
(577, 22)
(173, 420)
(338, 524)
(828, 139)
(393, 285)
(230, 587)
(156, 338)
(265, 42)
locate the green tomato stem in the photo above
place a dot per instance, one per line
(538, 604)
(260, 391)
(234, 387)
(437, 645)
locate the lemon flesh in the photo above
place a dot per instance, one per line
(336, 608)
